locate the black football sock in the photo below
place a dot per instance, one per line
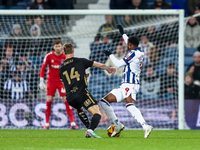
(94, 121)
(83, 117)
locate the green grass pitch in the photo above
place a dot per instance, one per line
(75, 140)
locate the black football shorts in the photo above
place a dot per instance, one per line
(86, 100)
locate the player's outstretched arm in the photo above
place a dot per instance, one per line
(121, 30)
(110, 70)
(118, 63)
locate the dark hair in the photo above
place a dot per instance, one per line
(16, 73)
(68, 48)
(147, 66)
(57, 41)
(8, 46)
(38, 16)
(133, 40)
(171, 65)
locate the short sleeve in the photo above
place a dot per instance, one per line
(87, 63)
(130, 55)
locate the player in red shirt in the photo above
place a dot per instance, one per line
(54, 60)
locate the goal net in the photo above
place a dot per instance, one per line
(26, 39)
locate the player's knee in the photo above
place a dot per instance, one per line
(99, 113)
(103, 102)
(129, 100)
(49, 98)
(110, 98)
(64, 100)
(96, 112)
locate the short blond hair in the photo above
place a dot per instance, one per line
(68, 48)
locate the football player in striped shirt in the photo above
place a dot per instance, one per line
(132, 63)
(18, 88)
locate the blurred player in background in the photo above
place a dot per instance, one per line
(72, 74)
(54, 60)
(132, 63)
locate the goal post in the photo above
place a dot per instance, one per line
(181, 71)
(85, 34)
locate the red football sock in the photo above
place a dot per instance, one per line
(48, 111)
(69, 112)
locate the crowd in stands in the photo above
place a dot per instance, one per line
(139, 4)
(37, 4)
(159, 74)
(25, 45)
(21, 58)
(189, 6)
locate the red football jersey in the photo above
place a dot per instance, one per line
(54, 62)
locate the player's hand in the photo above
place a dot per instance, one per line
(107, 52)
(192, 68)
(111, 70)
(42, 85)
(121, 30)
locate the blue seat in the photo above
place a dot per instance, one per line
(96, 90)
(25, 3)
(168, 96)
(188, 60)
(185, 69)
(170, 51)
(12, 19)
(22, 3)
(190, 51)
(150, 96)
(18, 7)
(152, 1)
(2, 7)
(114, 79)
(167, 60)
(98, 79)
(162, 65)
(6, 30)
(37, 61)
(110, 87)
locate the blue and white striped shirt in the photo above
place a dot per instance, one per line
(132, 69)
(17, 89)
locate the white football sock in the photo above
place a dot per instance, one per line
(46, 124)
(135, 112)
(73, 123)
(109, 111)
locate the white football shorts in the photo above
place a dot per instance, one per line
(126, 90)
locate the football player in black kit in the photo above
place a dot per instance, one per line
(72, 74)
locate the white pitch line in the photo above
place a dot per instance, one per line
(30, 148)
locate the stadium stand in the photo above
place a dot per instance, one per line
(190, 51)
(163, 37)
